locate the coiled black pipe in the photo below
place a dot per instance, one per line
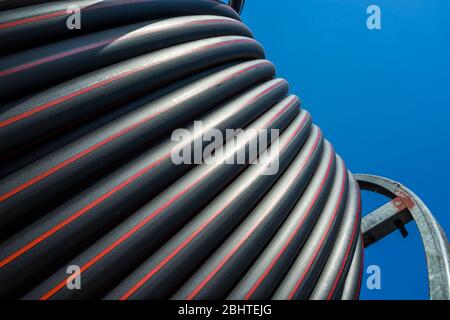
(87, 177)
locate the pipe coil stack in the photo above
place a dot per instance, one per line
(87, 177)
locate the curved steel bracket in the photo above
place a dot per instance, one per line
(404, 207)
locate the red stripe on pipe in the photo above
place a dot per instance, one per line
(242, 241)
(59, 13)
(285, 246)
(125, 236)
(282, 110)
(72, 159)
(79, 213)
(189, 239)
(67, 126)
(177, 196)
(322, 240)
(85, 209)
(104, 42)
(100, 84)
(27, 20)
(98, 145)
(347, 252)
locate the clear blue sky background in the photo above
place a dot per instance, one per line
(382, 98)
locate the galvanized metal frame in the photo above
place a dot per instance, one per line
(403, 207)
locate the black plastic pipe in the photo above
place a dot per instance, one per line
(87, 119)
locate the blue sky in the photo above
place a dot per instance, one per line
(382, 97)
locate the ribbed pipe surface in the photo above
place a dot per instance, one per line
(87, 177)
